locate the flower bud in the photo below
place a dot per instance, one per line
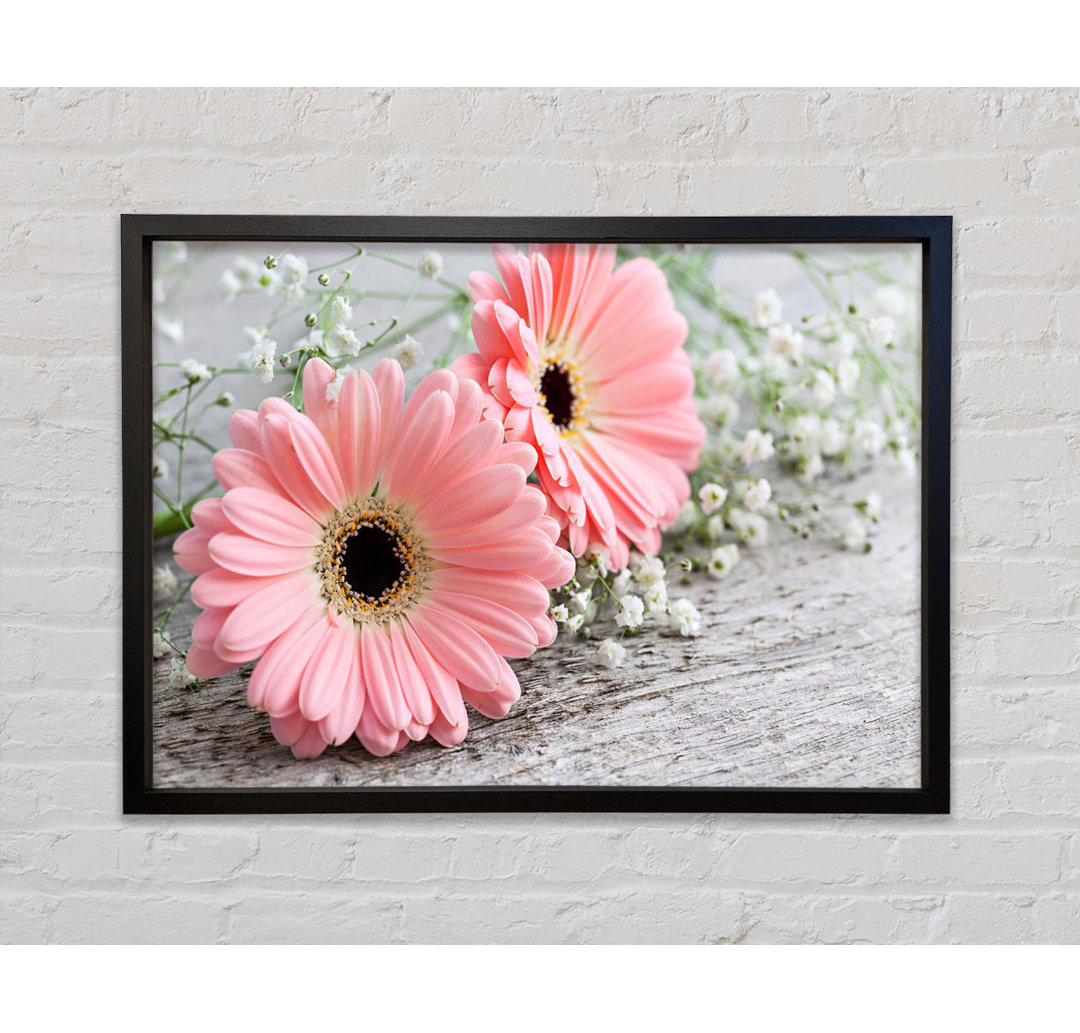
(324, 279)
(270, 262)
(310, 319)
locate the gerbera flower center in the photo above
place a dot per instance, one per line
(370, 562)
(562, 395)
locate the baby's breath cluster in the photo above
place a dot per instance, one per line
(625, 601)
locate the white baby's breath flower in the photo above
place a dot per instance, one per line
(881, 330)
(647, 570)
(158, 292)
(722, 369)
(832, 439)
(842, 348)
(902, 462)
(341, 309)
(718, 410)
(575, 622)
(871, 505)
(254, 334)
(620, 584)
(194, 371)
(684, 618)
(262, 359)
(229, 285)
(847, 375)
(268, 281)
(612, 654)
(712, 497)
(333, 388)
(803, 434)
(631, 612)
(225, 399)
(756, 447)
(294, 268)
(159, 468)
(179, 675)
(853, 533)
(869, 438)
(751, 528)
(579, 601)
(757, 494)
(164, 580)
(560, 613)
(656, 597)
(409, 352)
(172, 330)
(599, 558)
(430, 264)
(811, 467)
(893, 300)
(722, 560)
(247, 271)
(160, 646)
(786, 342)
(714, 528)
(767, 308)
(343, 341)
(823, 389)
(685, 520)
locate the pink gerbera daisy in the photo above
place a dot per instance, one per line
(381, 560)
(585, 363)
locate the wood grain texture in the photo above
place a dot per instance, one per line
(806, 674)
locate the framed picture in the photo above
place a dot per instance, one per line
(447, 514)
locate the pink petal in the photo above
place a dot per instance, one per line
(341, 722)
(505, 631)
(238, 468)
(223, 588)
(326, 676)
(464, 653)
(484, 287)
(417, 697)
(244, 430)
(421, 441)
(474, 498)
(447, 734)
(243, 555)
(310, 745)
(289, 728)
(390, 383)
(521, 592)
(281, 453)
(375, 737)
(275, 682)
(269, 612)
(524, 550)
(191, 551)
(205, 663)
(270, 517)
(524, 512)
(475, 449)
(359, 420)
(381, 679)
(444, 688)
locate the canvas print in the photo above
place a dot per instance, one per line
(444, 515)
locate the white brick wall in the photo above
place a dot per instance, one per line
(1005, 866)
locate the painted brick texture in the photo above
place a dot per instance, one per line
(1004, 867)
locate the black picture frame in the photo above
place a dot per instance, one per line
(932, 233)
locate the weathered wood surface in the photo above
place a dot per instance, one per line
(806, 674)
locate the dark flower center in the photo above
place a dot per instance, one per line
(371, 561)
(558, 394)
